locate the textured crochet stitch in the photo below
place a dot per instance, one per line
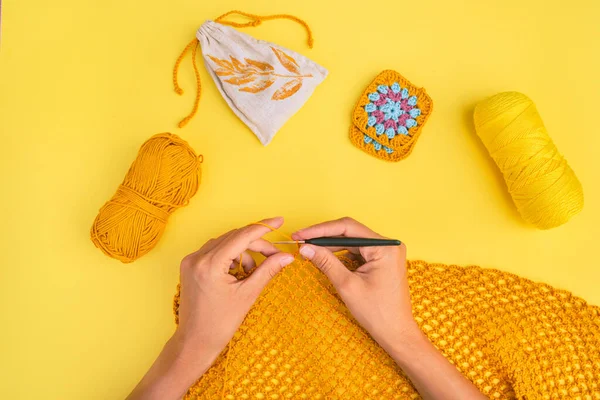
(511, 337)
(388, 117)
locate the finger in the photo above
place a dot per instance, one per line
(263, 247)
(354, 250)
(241, 239)
(352, 257)
(383, 256)
(328, 263)
(248, 262)
(213, 243)
(342, 227)
(266, 271)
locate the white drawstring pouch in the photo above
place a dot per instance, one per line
(263, 83)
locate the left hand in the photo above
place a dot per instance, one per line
(214, 303)
(212, 306)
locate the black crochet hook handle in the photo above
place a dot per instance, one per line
(351, 242)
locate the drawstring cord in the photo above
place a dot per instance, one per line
(258, 19)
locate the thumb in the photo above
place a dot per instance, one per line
(328, 263)
(266, 271)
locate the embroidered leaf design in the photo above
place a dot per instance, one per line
(288, 62)
(239, 67)
(260, 65)
(222, 63)
(223, 72)
(262, 84)
(256, 76)
(288, 89)
(240, 80)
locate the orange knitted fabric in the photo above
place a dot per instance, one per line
(511, 337)
(389, 116)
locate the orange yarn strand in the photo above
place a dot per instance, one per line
(258, 19)
(164, 177)
(178, 88)
(198, 87)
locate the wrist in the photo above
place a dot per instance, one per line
(401, 343)
(189, 355)
(177, 367)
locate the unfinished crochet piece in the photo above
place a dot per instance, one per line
(389, 116)
(511, 337)
(263, 83)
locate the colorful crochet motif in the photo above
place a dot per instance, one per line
(389, 116)
(511, 337)
(391, 110)
(376, 145)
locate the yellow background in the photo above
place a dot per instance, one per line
(84, 83)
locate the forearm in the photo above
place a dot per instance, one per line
(173, 372)
(433, 376)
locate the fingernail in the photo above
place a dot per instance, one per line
(307, 252)
(287, 260)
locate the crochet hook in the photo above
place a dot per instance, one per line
(345, 242)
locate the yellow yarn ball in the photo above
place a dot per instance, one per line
(542, 185)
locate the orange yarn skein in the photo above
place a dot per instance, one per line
(164, 177)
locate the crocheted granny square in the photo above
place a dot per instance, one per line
(389, 116)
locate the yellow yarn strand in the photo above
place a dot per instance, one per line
(542, 185)
(164, 177)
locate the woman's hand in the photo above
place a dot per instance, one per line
(377, 295)
(213, 305)
(213, 302)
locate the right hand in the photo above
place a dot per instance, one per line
(377, 292)
(378, 297)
